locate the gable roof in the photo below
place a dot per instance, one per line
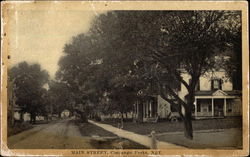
(219, 93)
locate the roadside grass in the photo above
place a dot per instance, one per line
(222, 139)
(22, 126)
(90, 130)
(162, 127)
(102, 139)
(18, 127)
(208, 133)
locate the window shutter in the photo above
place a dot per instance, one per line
(220, 83)
(212, 84)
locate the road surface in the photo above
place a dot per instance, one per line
(57, 135)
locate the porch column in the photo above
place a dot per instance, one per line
(144, 110)
(150, 109)
(195, 103)
(137, 108)
(225, 107)
(212, 106)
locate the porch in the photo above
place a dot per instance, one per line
(145, 109)
(217, 105)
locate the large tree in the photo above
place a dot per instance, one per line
(171, 43)
(90, 74)
(78, 71)
(29, 81)
(126, 51)
(233, 65)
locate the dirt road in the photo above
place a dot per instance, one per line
(58, 135)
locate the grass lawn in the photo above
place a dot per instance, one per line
(102, 139)
(20, 127)
(223, 139)
(162, 127)
(91, 130)
(210, 133)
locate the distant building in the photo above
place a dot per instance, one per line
(17, 116)
(65, 113)
(13, 109)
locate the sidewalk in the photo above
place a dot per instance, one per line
(141, 139)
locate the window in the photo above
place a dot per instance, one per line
(216, 83)
(198, 106)
(210, 107)
(229, 108)
(204, 109)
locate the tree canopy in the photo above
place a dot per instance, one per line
(126, 51)
(29, 81)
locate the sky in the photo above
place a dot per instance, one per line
(39, 36)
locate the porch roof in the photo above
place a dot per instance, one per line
(147, 96)
(211, 92)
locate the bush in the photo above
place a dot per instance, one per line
(83, 118)
(118, 120)
(163, 119)
(97, 118)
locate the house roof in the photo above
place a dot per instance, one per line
(214, 92)
(146, 93)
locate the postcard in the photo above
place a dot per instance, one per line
(124, 78)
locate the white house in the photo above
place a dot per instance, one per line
(214, 97)
(65, 113)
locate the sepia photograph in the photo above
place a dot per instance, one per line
(109, 79)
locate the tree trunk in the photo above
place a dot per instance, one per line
(32, 118)
(187, 120)
(21, 117)
(188, 116)
(122, 120)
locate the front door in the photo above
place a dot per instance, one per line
(218, 107)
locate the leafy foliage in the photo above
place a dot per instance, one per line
(29, 81)
(128, 51)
